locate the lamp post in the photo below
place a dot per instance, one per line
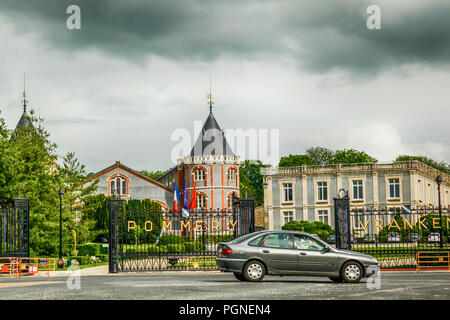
(438, 181)
(60, 261)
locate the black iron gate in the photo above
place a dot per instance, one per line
(14, 226)
(392, 234)
(157, 240)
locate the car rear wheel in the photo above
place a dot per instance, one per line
(254, 271)
(239, 276)
(336, 279)
(351, 272)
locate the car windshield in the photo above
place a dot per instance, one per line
(245, 237)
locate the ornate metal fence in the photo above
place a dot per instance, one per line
(14, 226)
(154, 240)
(395, 234)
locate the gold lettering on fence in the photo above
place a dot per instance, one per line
(198, 227)
(365, 226)
(421, 223)
(131, 225)
(186, 225)
(436, 224)
(167, 226)
(406, 223)
(233, 224)
(396, 225)
(378, 223)
(151, 226)
(214, 225)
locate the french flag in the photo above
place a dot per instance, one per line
(176, 197)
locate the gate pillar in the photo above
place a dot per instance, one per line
(342, 221)
(115, 208)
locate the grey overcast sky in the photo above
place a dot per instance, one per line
(138, 70)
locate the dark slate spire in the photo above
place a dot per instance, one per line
(211, 140)
(24, 120)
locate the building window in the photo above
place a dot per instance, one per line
(231, 175)
(322, 191)
(446, 199)
(322, 215)
(429, 195)
(118, 186)
(199, 175)
(419, 191)
(394, 188)
(288, 216)
(287, 192)
(358, 190)
(201, 201)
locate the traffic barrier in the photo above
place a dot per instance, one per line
(16, 267)
(432, 260)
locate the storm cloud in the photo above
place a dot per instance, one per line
(318, 35)
(139, 70)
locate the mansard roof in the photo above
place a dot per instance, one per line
(211, 140)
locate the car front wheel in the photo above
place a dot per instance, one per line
(254, 271)
(351, 272)
(239, 276)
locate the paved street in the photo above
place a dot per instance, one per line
(216, 285)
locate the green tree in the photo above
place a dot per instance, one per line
(294, 160)
(29, 167)
(319, 155)
(351, 156)
(152, 174)
(251, 180)
(322, 230)
(443, 166)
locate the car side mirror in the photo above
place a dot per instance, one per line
(326, 249)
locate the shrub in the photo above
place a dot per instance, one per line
(82, 260)
(218, 238)
(172, 247)
(90, 249)
(170, 239)
(193, 246)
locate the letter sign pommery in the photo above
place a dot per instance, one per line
(131, 225)
(73, 21)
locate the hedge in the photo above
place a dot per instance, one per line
(84, 260)
(91, 249)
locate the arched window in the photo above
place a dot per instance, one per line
(199, 174)
(201, 201)
(118, 186)
(231, 174)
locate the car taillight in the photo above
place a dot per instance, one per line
(226, 251)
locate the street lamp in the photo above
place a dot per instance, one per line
(60, 261)
(438, 181)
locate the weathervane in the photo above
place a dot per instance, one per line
(24, 95)
(209, 97)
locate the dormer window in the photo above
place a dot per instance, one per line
(118, 186)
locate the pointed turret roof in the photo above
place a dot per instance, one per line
(211, 140)
(25, 119)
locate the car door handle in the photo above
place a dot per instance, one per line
(303, 253)
(266, 251)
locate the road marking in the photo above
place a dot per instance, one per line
(26, 284)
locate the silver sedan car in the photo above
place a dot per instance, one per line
(281, 252)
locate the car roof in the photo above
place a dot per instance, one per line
(289, 231)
